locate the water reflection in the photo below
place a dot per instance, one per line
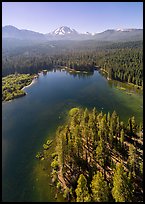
(80, 75)
(75, 74)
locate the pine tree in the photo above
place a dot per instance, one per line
(132, 158)
(129, 186)
(77, 140)
(102, 155)
(108, 119)
(99, 153)
(130, 125)
(122, 137)
(100, 190)
(118, 124)
(122, 124)
(92, 128)
(111, 138)
(133, 124)
(113, 122)
(82, 190)
(94, 114)
(121, 185)
(86, 116)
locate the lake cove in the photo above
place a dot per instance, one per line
(28, 122)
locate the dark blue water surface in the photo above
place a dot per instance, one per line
(29, 120)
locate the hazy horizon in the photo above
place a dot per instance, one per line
(71, 27)
(93, 17)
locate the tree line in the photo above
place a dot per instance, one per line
(121, 62)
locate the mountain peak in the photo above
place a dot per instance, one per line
(67, 33)
(64, 30)
(10, 27)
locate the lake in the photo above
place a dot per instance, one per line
(27, 123)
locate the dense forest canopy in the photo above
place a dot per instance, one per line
(12, 85)
(98, 158)
(122, 61)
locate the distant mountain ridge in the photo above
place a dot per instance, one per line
(67, 33)
(13, 32)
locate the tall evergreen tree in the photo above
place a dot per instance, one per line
(134, 126)
(82, 192)
(100, 153)
(122, 136)
(100, 190)
(120, 190)
(132, 158)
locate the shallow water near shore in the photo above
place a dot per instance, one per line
(27, 123)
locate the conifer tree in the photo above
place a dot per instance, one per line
(94, 114)
(130, 125)
(121, 185)
(102, 155)
(77, 140)
(122, 137)
(133, 124)
(108, 119)
(82, 190)
(111, 138)
(132, 158)
(122, 124)
(86, 116)
(100, 190)
(99, 153)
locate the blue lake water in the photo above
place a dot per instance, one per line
(28, 121)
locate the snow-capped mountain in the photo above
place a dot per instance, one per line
(67, 33)
(126, 29)
(64, 30)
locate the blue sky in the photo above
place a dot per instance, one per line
(95, 17)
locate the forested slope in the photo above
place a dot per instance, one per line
(122, 61)
(98, 158)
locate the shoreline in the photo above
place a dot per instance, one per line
(131, 85)
(33, 81)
